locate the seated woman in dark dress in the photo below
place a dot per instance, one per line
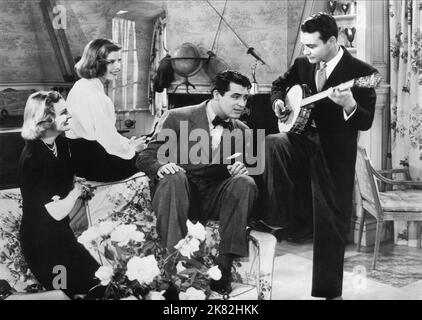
(46, 182)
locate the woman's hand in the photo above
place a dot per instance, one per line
(343, 98)
(138, 144)
(83, 188)
(60, 208)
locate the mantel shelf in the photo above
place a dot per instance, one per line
(345, 17)
(204, 88)
(201, 88)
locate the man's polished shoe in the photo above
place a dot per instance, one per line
(223, 285)
(5, 289)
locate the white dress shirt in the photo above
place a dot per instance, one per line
(94, 118)
(330, 65)
(216, 132)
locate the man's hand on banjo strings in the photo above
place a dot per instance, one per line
(343, 98)
(281, 111)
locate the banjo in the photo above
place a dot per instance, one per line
(300, 102)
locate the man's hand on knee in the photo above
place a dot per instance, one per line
(169, 168)
(237, 168)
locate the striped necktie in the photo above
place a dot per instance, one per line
(321, 76)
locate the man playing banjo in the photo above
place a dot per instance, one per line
(309, 173)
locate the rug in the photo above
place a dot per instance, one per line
(292, 280)
(399, 267)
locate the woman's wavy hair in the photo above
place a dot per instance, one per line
(93, 63)
(39, 114)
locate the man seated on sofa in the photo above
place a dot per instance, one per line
(201, 186)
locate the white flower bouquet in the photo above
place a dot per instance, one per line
(135, 266)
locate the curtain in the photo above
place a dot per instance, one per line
(406, 85)
(406, 97)
(124, 91)
(158, 101)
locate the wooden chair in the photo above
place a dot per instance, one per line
(397, 205)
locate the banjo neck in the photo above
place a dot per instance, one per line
(323, 94)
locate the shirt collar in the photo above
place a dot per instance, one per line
(211, 114)
(96, 82)
(333, 62)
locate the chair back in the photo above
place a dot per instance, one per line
(366, 182)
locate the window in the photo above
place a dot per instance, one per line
(124, 90)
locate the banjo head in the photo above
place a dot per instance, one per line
(293, 100)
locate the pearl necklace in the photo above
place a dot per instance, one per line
(52, 148)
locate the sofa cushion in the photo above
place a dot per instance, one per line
(401, 200)
(13, 267)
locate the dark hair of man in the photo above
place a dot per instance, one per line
(222, 81)
(323, 23)
(93, 63)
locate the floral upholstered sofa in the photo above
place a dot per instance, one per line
(253, 272)
(13, 267)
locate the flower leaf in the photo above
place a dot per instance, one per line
(108, 253)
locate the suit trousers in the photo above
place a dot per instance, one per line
(299, 190)
(178, 197)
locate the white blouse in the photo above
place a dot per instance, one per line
(93, 118)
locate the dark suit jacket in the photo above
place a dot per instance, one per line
(338, 137)
(196, 118)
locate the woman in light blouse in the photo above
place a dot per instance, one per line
(99, 152)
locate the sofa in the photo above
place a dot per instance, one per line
(254, 271)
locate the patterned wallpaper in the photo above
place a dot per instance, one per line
(86, 21)
(261, 24)
(27, 55)
(19, 54)
(294, 20)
